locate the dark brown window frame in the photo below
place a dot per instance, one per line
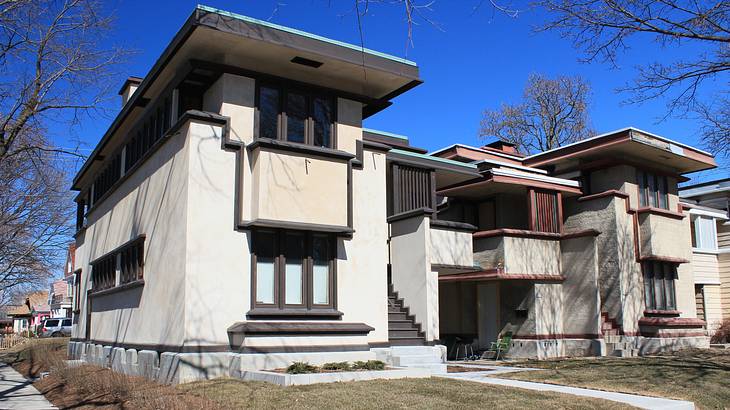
(310, 93)
(661, 182)
(109, 261)
(541, 221)
(653, 271)
(77, 290)
(307, 307)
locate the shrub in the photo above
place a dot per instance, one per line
(722, 334)
(336, 366)
(300, 367)
(369, 365)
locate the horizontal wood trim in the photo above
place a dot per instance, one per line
(605, 194)
(321, 313)
(660, 212)
(517, 233)
(410, 214)
(140, 237)
(301, 226)
(117, 289)
(502, 179)
(453, 226)
(654, 335)
(581, 234)
(300, 149)
(671, 322)
(656, 312)
(499, 275)
(668, 259)
(257, 328)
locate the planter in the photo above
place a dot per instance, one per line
(284, 379)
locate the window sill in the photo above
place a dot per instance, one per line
(300, 148)
(324, 313)
(120, 288)
(661, 212)
(257, 328)
(661, 313)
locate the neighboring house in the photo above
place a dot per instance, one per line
(59, 300)
(72, 277)
(31, 313)
(708, 204)
(236, 216)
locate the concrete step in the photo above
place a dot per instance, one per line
(413, 332)
(412, 360)
(415, 350)
(406, 341)
(397, 316)
(401, 324)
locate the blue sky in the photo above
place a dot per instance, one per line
(478, 60)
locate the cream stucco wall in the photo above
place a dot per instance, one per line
(519, 255)
(449, 247)
(705, 267)
(663, 236)
(153, 202)
(582, 301)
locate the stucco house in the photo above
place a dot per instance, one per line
(707, 203)
(237, 216)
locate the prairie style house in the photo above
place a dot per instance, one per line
(707, 203)
(237, 216)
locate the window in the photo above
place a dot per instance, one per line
(66, 322)
(50, 323)
(119, 267)
(652, 190)
(659, 291)
(77, 291)
(704, 232)
(544, 209)
(293, 270)
(295, 116)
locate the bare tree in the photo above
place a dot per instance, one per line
(34, 217)
(602, 30)
(53, 66)
(553, 112)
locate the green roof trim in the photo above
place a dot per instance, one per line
(431, 158)
(385, 133)
(303, 33)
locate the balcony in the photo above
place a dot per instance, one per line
(663, 235)
(520, 254)
(451, 245)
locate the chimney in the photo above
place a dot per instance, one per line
(502, 146)
(128, 88)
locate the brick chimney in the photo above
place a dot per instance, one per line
(128, 88)
(502, 146)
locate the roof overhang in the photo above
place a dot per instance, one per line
(448, 172)
(504, 180)
(217, 40)
(631, 144)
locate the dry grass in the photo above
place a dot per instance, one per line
(702, 376)
(434, 393)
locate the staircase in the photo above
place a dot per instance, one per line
(616, 344)
(402, 327)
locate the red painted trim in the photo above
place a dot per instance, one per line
(535, 184)
(661, 212)
(551, 336)
(580, 234)
(499, 275)
(604, 194)
(522, 233)
(661, 312)
(671, 322)
(580, 148)
(672, 335)
(670, 259)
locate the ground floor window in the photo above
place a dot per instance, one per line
(293, 269)
(659, 292)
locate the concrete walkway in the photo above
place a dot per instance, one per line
(16, 392)
(643, 402)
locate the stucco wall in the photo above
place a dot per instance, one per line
(581, 313)
(449, 247)
(457, 308)
(514, 297)
(153, 202)
(663, 236)
(299, 188)
(518, 255)
(411, 271)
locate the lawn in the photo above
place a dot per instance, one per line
(702, 376)
(89, 387)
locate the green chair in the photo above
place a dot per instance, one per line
(500, 347)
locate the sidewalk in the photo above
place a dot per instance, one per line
(18, 393)
(643, 402)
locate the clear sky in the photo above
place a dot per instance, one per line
(478, 59)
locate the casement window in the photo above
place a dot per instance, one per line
(121, 266)
(295, 116)
(652, 190)
(659, 293)
(77, 290)
(704, 232)
(544, 208)
(293, 270)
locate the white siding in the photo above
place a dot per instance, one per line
(705, 268)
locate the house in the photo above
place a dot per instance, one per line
(31, 313)
(59, 300)
(237, 216)
(708, 206)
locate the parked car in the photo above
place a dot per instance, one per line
(55, 328)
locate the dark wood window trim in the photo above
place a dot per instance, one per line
(77, 290)
(119, 268)
(659, 285)
(285, 89)
(546, 211)
(653, 190)
(307, 307)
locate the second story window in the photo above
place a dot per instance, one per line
(295, 116)
(652, 190)
(704, 233)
